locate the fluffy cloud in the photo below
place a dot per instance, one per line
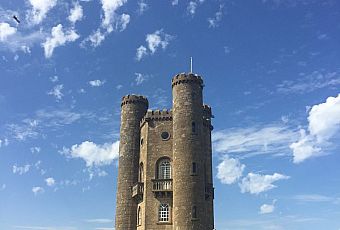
(270, 139)
(142, 6)
(76, 13)
(96, 83)
(21, 170)
(6, 30)
(4, 142)
(111, 21)
(2, 187)
(37, 190)
(56, 92)
(230, 170)
(141, 52)
(267, 208)
(324, 125)
(50, 181)
(94, 154)
(154, 41)
(140, 78)
(214, 22)
(257, 183)
(58, 38)
(40, 8)
(192, 6)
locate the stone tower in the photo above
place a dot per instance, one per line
(165, 162)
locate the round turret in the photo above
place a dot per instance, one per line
(134, 108)
(189, 175)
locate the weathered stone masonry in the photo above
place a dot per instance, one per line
(165, 162)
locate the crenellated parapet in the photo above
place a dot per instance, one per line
(157, 115)
(187, 78)
(134, 99)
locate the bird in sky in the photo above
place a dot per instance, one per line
(16, 19)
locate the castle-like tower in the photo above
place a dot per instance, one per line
(165, 162)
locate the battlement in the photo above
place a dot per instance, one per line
(157, 115)
(187, 78)
(134, 99)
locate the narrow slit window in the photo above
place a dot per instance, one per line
(194, 212)
(193, 127)
(194, 168)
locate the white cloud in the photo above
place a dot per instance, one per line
(110, 17)
(40, 8)
(270, 139)
(142, 6)
(324, 125)
(267, 208)
(37, 190)
(110, 21)
(191, 8)
(94, 154)
(313, 198)
(21, 170)
(54, 78)
(96, 83)
(257, 183)
(154, 41)
(76, 13)
(310, 82)
(22, 42)
(174, 2)
(214, 22)
(58, 38)
(2, 187)
(35, 149)
(140, 78)
(56, 92)
(50, 181)
(141, 52)
(99, 221)
(6, 31)
(229, 170)
(95, 39)
(4, 142)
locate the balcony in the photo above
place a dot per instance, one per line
(162, 187)
(138, 190)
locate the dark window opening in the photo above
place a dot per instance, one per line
(194, 212)
(165, 136)
(194, 168)
(193, 127)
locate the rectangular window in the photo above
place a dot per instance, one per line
(193, 127)
(194, 168)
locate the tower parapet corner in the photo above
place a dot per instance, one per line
(134, 99)
(187, 78)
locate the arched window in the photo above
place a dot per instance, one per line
(141, 173)
(139, 216)
(164, 169)
(163, 213)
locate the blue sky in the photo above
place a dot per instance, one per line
(272, 76)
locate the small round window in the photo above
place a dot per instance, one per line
(165, 136)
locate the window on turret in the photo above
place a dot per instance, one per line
(139, 216)
(141, 173)
(194, 212)
(164, 213)
(164, 169)
(193, 127)
(194, 168)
